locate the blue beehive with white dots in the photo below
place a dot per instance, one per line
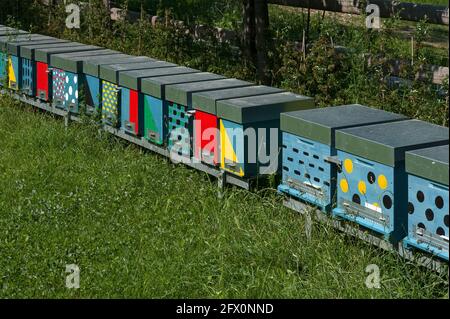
(309, 147)
(68, 77)
(372, 185)
(428, 200)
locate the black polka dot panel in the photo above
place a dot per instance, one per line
(420, 196)
(387, 201)
(356, 199)
(439, 201)
(410, 208)
(429, 214)
(371, 177)
(427, 209)
(440, 231)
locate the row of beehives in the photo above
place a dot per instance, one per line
(387, 173)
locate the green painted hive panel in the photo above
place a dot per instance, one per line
(207, 101)
(73, 62)
(11, 32)
(27, 51)
(92, 67)
(111, 73)
(262, 108)
(156, 86)
(22, 39)
(182, 93)
(429, 163)
(321, 124)
(15, 48)
(44, 54)
(132, 79)
(387, 143)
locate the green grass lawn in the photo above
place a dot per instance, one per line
(139, 226)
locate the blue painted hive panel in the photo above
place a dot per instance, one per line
(306, 173)
(428, 221)
(28, 77)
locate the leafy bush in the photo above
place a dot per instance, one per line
(331, 74)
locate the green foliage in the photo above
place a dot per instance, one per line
(209, 12)
(356, 73)
(25, 14)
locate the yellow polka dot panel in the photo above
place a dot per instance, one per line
(344, 185)
(382, 181)
(377, 196)
(308, 151)
(365, 188)
(362, 187)
(348, 165)
(110, 107)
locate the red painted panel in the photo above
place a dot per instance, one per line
(206, 137)
(42, 79)
(134, 110)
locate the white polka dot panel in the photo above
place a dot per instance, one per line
(71, 88)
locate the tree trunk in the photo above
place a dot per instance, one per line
(262, 27)
(249, 30)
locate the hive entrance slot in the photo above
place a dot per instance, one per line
(424, 236)
(357, 210)
(306, 188)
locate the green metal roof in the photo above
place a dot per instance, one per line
(4, 41)
(321, 124)
(27, 51)
(207, 101)
(44, 54)
(132, 79)
(111, 73)
(429, 163)
(262, 108)
(92, 67)
(11, 32)
(182, 93)
(15, 48)
(156, 86)
(21, 37)
(387, 143)
(73, 62)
